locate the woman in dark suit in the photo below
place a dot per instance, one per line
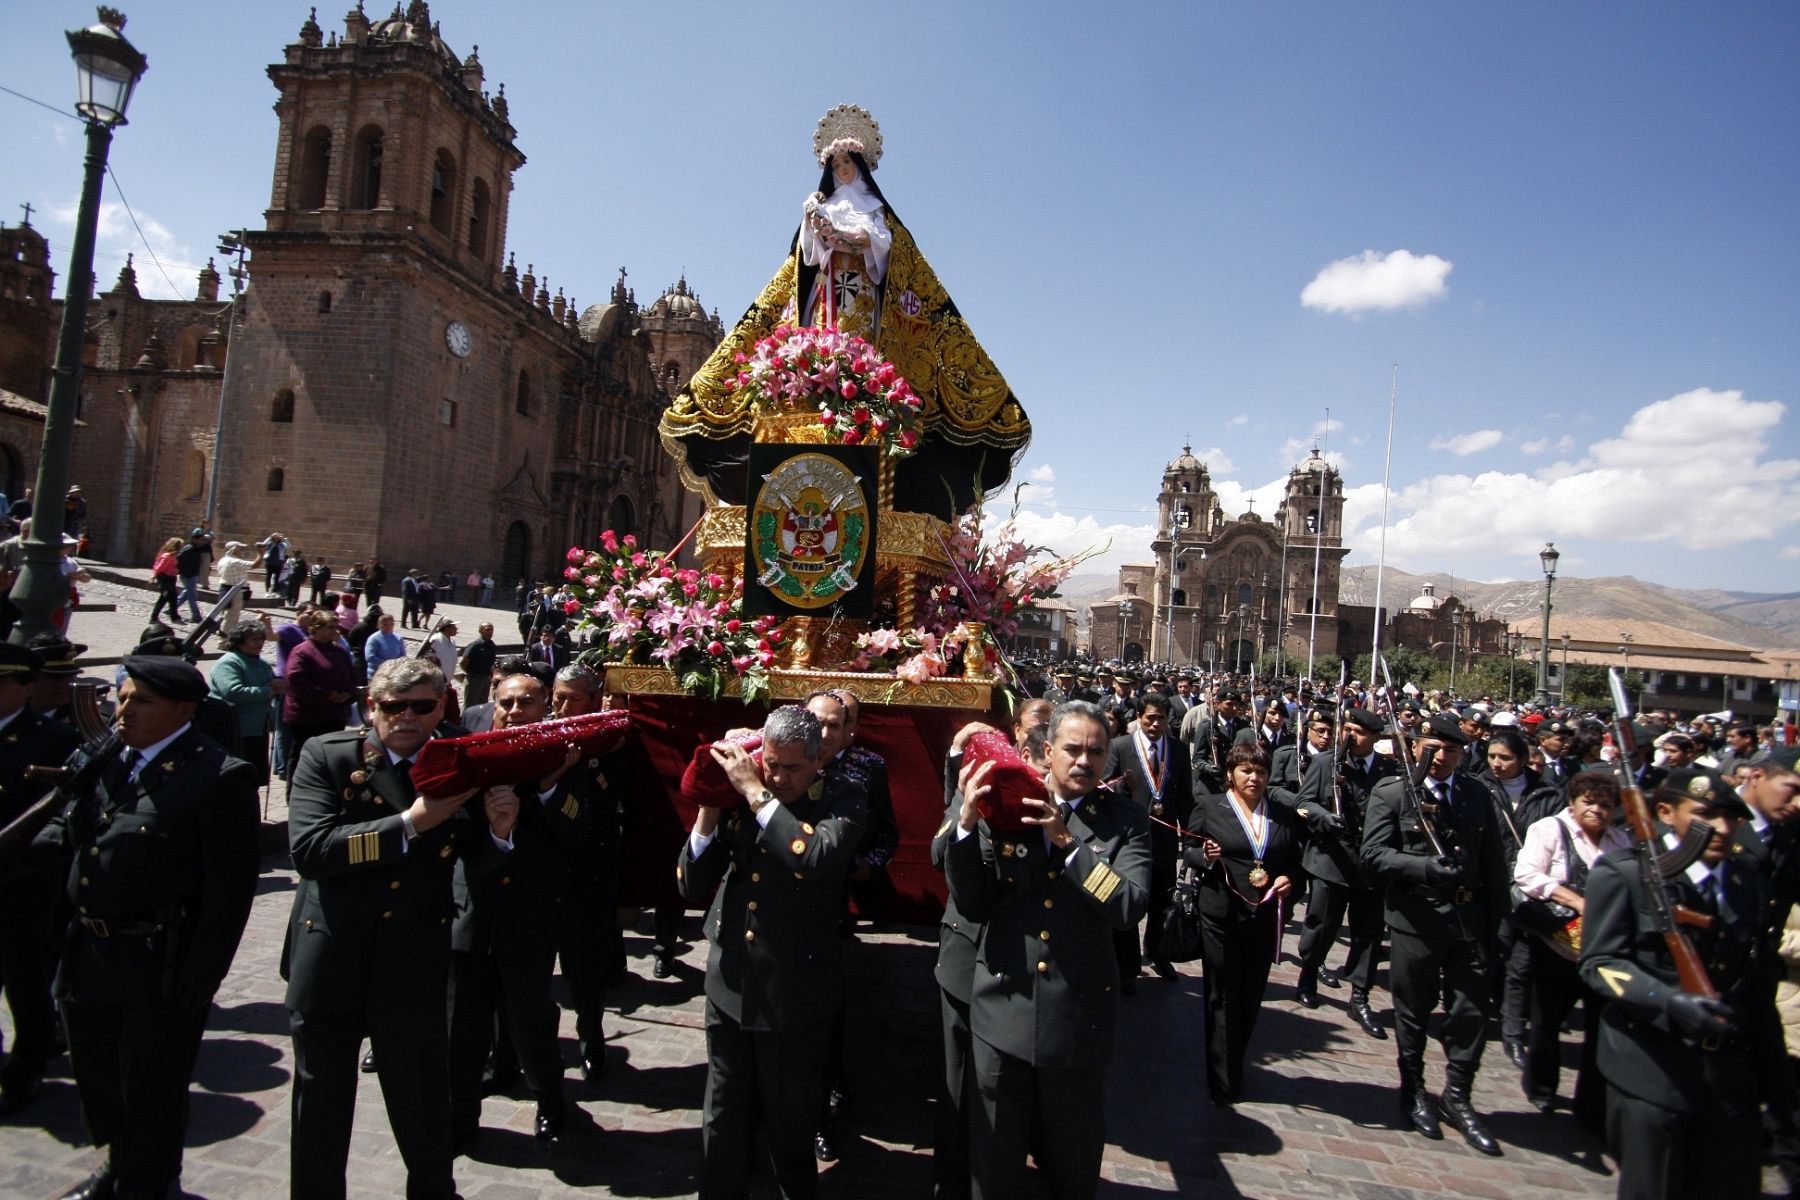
(1248, 857)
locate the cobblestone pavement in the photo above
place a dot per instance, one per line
(1319, 1119)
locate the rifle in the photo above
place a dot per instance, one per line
(1655, 866)
(1413, 777)
(83, 768)
(1337, 740)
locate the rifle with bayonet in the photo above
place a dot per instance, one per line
(1337, 745)
(1656, 865)
(1412, 776)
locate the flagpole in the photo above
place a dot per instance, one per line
(1387, 472)
(1318, 536)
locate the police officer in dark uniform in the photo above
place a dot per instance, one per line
(1680, 1068)
(1444, 914)
(1333, 800)
(1289, 764)
(1159, 778)
(1064, 687)
(368, 942)
(164, 864)
(1556, 739)
(1213, 739)
(28, 890)
(1045, 996)
(503, 940)
(775, 972)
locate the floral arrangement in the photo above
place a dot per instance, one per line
(647, 609)
(860, 396)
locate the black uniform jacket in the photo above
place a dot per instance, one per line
(958, 931)
(511, 909)
(1626, 961)
(1330, 855)
(30, 739)
(1395, 852)
(881, 831)
(177, 846)
(1225, 887)
(777, 961)
(371, 917)
(1046, 979)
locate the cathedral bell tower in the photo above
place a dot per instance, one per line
(1311, 518)
(1187, 513)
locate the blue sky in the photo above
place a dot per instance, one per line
(1572, 227)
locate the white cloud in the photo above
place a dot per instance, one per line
(1673, 475)
(1373, 281)
(1241, 419)
(1561, 445)
(1064, 534)
(1042, 474)
(1217, 461)
(114, 238)
(1464, 444)
(1790, 552)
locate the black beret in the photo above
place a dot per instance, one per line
(1320, 712)
(1702, 784)
(1446, 727)
(1411, 706)
(174, 678)
(1364, 719)
(1559, 728)
(58, 653)
(17, 660)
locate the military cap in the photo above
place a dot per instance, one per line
(1559, 728)
(1065, 671)
(1446, 727)
(19, 660)
(1474, 714)
(1104, 673)
(1702, 784)
(1362, 718)
(175, 678)
(1321, 712)
(1409, 705)
(59, 654)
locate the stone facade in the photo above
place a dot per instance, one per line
(1223, 592)
(395, 387)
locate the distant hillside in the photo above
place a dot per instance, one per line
(1757, 620)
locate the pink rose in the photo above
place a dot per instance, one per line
(715, 648)
(848, 390)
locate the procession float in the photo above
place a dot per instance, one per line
(845, 436)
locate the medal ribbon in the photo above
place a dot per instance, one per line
(1259, 840)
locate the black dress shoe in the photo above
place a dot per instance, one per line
(1542, 1103)
(1365, 1016)
(593, 1066)
(17, 1097)
(1461, 1115)
(1515, 1052)
(1165, 969)
(368, 1062)
(549, 1124)
(665, 965)
(1421, 1114)
(825, 1146)
(98, 1186)
(1220, 1097)
(1307, 999)
(1330, 978)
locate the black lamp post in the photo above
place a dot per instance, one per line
(1547, 559)
(107, 68)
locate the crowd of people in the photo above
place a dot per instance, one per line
(1476, 847)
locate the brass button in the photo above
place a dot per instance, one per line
(1049, 903)
(1043, 935)
(756, 877)
(84, 881)
(394, 886)
(506, 879)
(752, 906)
(309, 922)
(1044, 968)
(93, 852)
(443, 920)
(386, 915)
(749, 935)
(1054, 874)
(84, 910)
(799, 874)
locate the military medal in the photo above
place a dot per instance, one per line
(1259, 878)
(1256, 832)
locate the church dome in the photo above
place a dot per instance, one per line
(678, 302)
(1315, 464)
(1185, 463)
(599, 320)
(414, 25)
(1426, 601)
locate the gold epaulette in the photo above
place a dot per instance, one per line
(1101, 882)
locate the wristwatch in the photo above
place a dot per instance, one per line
(764, 797)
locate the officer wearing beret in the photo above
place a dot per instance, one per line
(1333, 800)
(164, 860)
(775, 970)
(1044, 1002)
(1444, 915)
(368, 941)
(1680, 1068)
(1288, 765)
(28, 890)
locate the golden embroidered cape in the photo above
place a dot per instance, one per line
(974, 428)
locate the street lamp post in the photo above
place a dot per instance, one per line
(1562, 682)
(1547, 559)
(107, 68)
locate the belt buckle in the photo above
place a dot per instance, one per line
(97, 927)
(1462, 896)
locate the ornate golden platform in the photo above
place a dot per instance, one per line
(787, 685)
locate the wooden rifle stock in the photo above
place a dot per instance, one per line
(79, 772)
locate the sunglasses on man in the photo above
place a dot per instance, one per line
(394, 708)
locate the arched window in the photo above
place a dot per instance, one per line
(621, 517)
(672, 371)
(443, 191)
(522, 397)
(281, 409)
(1245, 593)
(1179, 598)
(193, 478)
(324, 302)
(315, 169)
(1312, 521)
(277, 479)
(478, 220)
(366, 192)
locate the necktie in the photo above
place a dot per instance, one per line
(1709, 891)
(1156, 763)
(133, 759)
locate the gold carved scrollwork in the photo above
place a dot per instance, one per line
(797, 685)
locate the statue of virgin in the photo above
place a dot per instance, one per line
(852, 265)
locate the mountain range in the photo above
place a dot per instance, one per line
(1760, 620)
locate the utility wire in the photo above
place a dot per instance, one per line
(140, 232)
(61, 112)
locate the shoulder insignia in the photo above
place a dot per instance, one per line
(600, 777)
(816, 790)
(1101, 882)
(798, 845)
(443, 852)
(364, 847)
(168, 768)
(571, 808)
(12, 739)
(1615, 979)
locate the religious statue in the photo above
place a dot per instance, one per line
(853, 266)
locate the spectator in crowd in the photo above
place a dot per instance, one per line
(346, 610)
(293, 574)
(244, 680)
(374, 580)
(473, 583)
(320, 578)
(74, 575)
(442, 645)
(274, 554)
(382, 645)
(12, 561)
(427, 599)
(358, 639)
(321, 681)
(234, 569)
(354, 581)
(166, 571)
(75, 513)
(190, 559)
(287, 635)
(477, 661)
(409, 599)
(487, 588)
